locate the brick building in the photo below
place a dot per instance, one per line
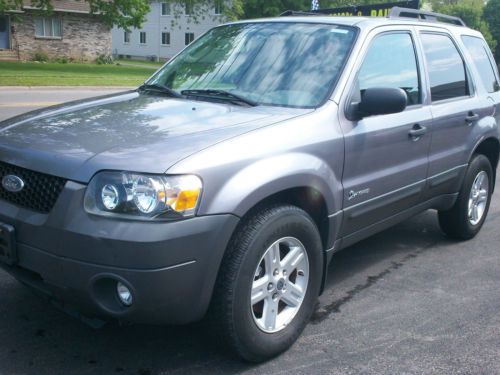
(70, 31)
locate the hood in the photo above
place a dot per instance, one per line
(128, 131)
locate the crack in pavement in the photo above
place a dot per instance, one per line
(324, 312)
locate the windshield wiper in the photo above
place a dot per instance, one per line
(156, 87)
(220, 94)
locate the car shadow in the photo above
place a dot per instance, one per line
(39, 339)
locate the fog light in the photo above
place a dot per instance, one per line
(124, 294)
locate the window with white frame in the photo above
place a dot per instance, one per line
(218, 7)
(188, 38)
(165, 9)
(126, 37)
(165, 38)
(142, 37)
(48, 27)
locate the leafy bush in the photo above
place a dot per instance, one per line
(40, 56)
(104, 59)
(62, 60)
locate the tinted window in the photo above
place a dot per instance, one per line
(446, 67)
(479, 53)
(395, 69)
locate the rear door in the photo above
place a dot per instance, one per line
(457, 109)
(385, 167)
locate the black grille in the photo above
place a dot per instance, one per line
(40, 190)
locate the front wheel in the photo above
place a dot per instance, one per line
(466, 217)
(269, 282)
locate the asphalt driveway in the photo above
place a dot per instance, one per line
(406, 301)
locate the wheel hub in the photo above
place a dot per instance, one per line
(281, 285)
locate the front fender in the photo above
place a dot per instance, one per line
(266, 177)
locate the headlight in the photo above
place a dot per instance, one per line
(143, 196)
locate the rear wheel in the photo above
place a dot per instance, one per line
(268, 283)
(466, 217)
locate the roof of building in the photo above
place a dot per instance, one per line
(68, 6)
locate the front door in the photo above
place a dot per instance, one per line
(4, 33)
(385, 164)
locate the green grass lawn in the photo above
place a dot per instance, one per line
(141, 63)
(52, 74)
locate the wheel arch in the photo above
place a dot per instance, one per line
(489, 147)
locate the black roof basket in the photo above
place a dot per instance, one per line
(398, 9)
(358, 10)
(423, 15)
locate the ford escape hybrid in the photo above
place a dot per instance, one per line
(222, 187)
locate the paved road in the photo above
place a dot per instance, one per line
(14, 100)
(406, 301)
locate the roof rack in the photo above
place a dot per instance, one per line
(291, 13)
(423, 15)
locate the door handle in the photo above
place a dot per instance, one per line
(471, 117)
(417, 131)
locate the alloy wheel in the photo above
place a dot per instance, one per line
(279, 285)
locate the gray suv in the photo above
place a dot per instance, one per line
(222, 187)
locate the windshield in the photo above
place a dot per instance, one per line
(285, 64)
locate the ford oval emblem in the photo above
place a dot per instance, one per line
(12, 183)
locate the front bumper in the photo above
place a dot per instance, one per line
(76, 259)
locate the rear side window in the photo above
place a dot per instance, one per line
(391, 62)
(446, 68)
(478, 50)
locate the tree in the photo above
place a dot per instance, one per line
(130, 13)
(492, 17)
(471, 12)
(272, 8)
(200, 9)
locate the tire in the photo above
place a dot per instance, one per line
(457, 222)
(244, 270)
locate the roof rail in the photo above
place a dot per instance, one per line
(423, 15)
(289, 13)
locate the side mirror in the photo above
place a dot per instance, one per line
(380, 101)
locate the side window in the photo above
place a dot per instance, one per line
(478, 50)
(390, 62)
(447, 72)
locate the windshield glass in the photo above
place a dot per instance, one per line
(286, 64)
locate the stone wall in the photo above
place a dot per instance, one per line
(84, 37)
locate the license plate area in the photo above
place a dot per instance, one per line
(8, 251)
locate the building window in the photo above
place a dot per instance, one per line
(165, 9)
(188, 8)
(142, 37)
(165, 39)
(126, 37)
(188, 38)
(218, 7)
(48, 27)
